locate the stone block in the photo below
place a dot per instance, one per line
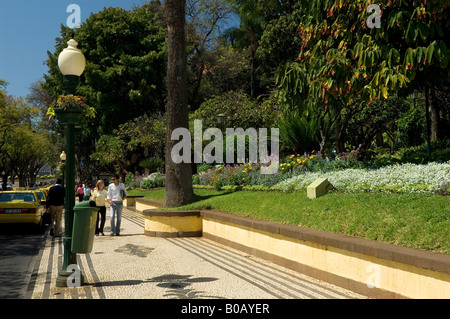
(318, 188)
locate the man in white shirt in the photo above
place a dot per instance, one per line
(115, 196)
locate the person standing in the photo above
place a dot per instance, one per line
(87, 192)
(99, 195)
(115, 196)
(80, 192)
(55, 203)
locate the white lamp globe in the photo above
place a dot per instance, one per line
(71, 60)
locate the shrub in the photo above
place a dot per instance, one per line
(443, 189)
(152, 164)
(153, 180)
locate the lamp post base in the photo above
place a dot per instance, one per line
(70, 279)
(70, 274)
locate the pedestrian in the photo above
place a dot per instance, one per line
(115, 196)
(99, 195)
(55, 203)
(80, 192)
(87, 192)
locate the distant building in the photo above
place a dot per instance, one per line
(45, 170)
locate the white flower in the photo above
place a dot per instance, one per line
(406, 178)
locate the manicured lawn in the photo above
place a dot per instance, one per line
(413, 220)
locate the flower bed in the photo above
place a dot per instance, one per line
(405, 178)
(136, 180)
(297, 172)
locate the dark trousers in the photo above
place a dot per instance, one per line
(101, 217)
(80, 197)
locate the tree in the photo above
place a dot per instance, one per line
(239, 110)
(28, 151)
(147, 133)
(343, 61)
(204, 19)
(125, 63)
(24, 148)
(40, 98)
(118, 159)
(142, 133)
(178, 184)
(8, 119)
(125, 72)
(374, 120)
(255, 17)
(228, 69)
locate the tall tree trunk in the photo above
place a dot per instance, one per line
(427, 117)
(178, 189)
(435, 117)
(197, 85)
(254, 45)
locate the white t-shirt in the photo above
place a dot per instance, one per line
(114, 192)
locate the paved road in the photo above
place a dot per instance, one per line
(19, 246)
(134, 266)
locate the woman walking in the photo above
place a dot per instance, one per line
(99, 195)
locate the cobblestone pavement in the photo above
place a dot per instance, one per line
(134, 266)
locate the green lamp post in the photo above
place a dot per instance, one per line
(71, 63)
(63, 167)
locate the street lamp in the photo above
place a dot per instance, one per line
(71, 63)
(63, 157)
(220, 118)
(62, 166)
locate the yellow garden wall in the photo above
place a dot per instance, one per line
(361, 273)
(368, 267)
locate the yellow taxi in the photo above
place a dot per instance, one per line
(21, 207)
(42, 193)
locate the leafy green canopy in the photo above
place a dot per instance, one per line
(24, 148)
(342, 59)
(125, 63)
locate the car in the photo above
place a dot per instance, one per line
(21, 207)
(42, 193)
(8, 186)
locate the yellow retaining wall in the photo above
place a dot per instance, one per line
(368, 267)
(130, 201)
(172, 223)
(363, 273)
(144, 204)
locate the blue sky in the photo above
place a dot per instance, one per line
(28, 29)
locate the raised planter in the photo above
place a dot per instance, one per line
(71, 116)
(172, 223)
(145, 203)
(365, 266)
(131, 200)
